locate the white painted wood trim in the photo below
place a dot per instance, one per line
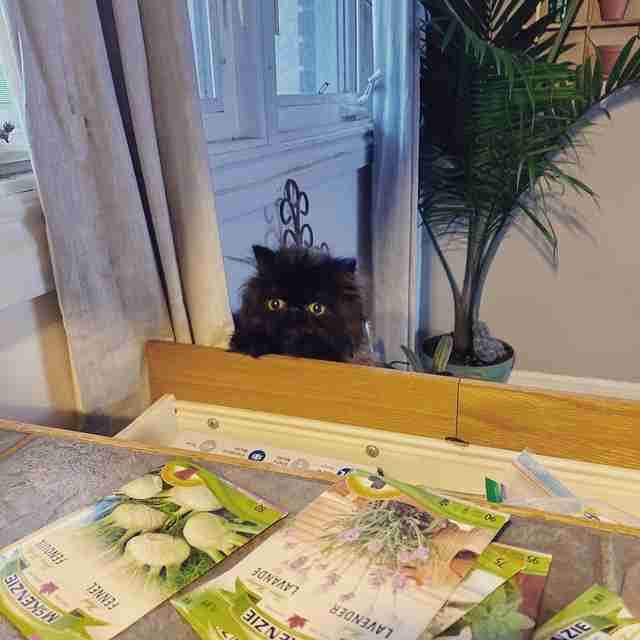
(157, 425)
(586, 386)
(439, 464)
(25, 264)
(254, 166)
(244, 187)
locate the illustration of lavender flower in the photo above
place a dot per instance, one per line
(351, 535)
(390, 534)
(421, 553)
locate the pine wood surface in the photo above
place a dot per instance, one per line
(562, 425)
(371, 397)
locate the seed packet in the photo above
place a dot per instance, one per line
(511, 611)
(93, 573)
(371, 557)
(493, 567)
(597, 614)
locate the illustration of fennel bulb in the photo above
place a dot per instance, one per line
(134, 519)
(142, 488)
(198, 498)
(212, 535)
(157, 551)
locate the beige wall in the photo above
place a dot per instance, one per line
(35, 376)
(582, 319)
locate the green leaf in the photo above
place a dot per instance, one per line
(516, 23)
(414, 360)
(565, 25)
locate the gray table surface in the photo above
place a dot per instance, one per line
(50, 478)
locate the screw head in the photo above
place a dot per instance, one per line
(372, 451)
(212, 423)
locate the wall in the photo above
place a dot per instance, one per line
(580, 319)
(35, 377)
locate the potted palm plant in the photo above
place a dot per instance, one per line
(501, 114)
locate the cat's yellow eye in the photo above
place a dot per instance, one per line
(316, 308)
(276, 304)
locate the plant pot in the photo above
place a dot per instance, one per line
(608, 54)
(498, 372)
(611, 10)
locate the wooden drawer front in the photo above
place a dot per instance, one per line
(563, 425)
(416, 404)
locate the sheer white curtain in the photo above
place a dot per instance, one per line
(394, 222)
(109, 99)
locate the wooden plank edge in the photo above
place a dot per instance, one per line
(547, 516)
(561, 394)
(76, 436)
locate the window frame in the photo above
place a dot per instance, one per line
(235, 117)
(253, 112)
(15, 160)
(317, 112)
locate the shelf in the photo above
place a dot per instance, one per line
(634, 22)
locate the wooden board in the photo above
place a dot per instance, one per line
(396, 401)
(563, 425)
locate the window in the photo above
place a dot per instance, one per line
(307, 48)
(209, 56)
(14, 153)
(226, 38)
(315, 44)
(276, 70)
(364, 49)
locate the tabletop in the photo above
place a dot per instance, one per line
(45, 478)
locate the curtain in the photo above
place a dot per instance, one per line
(394, 219)
(109, 100)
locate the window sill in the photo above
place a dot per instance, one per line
(14, 162)
(222, 154)
(245, 179)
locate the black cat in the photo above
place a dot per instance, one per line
(301, 303)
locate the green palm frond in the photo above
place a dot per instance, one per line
(502, 124)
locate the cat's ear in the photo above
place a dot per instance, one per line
(346, 265)
(265, 257)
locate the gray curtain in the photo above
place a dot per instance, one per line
(131, 219)
(394, 222)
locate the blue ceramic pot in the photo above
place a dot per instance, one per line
(498, 372)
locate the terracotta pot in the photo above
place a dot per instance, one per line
(613, 9)
(608, 54)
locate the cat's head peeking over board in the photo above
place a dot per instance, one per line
(301, 302)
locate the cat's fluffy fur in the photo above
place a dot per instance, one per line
(299, 278)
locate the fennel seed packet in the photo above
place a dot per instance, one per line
(370, 558)
(95, 572)
(598, 614)
(492, 568)
(510, 612)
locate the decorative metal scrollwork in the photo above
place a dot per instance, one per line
(293, 206)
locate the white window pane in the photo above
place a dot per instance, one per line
(365, 43)
(201, 32)
(307, 47)
(9, 114)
